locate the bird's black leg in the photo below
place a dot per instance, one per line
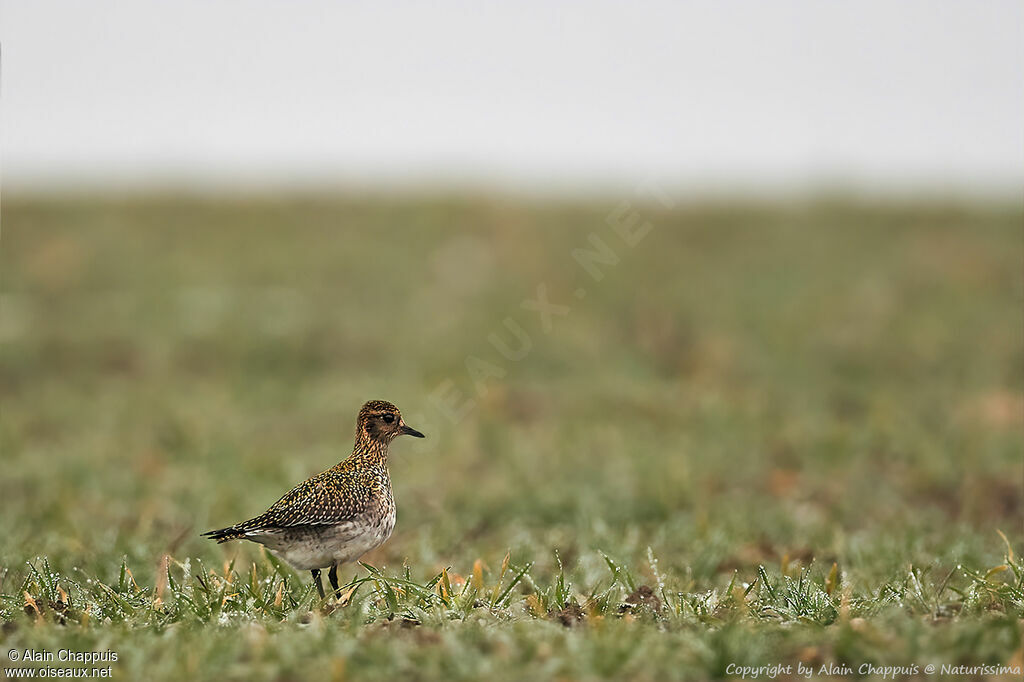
(333, 577)
(316, 579)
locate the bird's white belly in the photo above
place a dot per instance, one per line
(322, 547)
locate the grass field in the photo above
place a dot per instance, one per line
(766, 434)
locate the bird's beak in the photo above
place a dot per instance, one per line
(409, 431)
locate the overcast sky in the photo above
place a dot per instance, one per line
(573, 94)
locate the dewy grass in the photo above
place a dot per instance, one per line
(768, 436)
(190, 592)
(978, 605)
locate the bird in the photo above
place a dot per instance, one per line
(339, 514)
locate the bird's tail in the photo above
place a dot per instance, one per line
(225, 534)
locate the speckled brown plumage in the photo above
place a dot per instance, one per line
(339, 514)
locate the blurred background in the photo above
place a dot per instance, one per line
(226, 225)
(706, 96)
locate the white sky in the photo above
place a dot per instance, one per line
(573, 94)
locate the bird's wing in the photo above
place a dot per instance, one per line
(328, 498)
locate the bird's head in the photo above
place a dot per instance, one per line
(380, 421)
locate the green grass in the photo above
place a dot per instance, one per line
(769, 434)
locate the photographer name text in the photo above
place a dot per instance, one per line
(892, 672)
(61, 655)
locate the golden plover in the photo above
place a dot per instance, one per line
(339, 514)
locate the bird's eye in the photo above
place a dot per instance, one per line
(388, 418)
